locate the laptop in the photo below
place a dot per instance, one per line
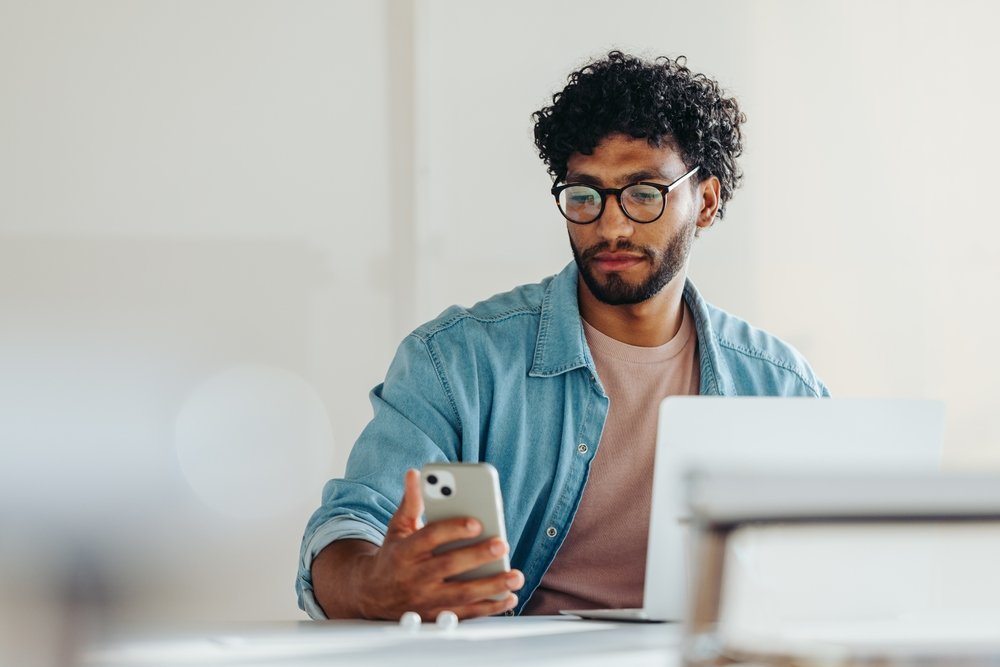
(749, 435)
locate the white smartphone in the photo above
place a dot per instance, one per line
(453, 490)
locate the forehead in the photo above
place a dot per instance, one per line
(619, 156)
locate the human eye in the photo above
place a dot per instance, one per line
(644, 195)
(581, 196)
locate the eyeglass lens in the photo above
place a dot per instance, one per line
(582, 203)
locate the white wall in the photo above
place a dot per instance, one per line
(194, 189)
(188, 189)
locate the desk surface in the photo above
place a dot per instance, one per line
(544, 640)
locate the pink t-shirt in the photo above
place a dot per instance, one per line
(602, 562)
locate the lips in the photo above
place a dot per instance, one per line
(609, 262)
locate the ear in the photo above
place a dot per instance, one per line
(708, 194)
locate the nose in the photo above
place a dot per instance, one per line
(613, 223)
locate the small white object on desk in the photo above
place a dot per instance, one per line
(447, 620)
(410, 620)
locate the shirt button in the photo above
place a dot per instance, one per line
(582, 448)
(551, 531)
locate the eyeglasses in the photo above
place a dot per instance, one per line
(642, 202)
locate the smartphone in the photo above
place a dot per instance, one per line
(453, 490)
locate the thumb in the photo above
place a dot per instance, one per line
(407, 519)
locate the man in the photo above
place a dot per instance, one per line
(557, 384)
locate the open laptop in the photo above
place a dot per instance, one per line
(766, 435)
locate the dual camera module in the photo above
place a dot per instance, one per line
(439, 484)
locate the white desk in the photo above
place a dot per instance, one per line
(543, 640)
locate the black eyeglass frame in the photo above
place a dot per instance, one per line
(617, 192)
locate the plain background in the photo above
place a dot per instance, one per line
(218, 219)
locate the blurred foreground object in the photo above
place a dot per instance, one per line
(845, 570)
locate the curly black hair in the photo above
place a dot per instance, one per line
(662, 101)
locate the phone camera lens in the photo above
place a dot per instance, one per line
(445, 490)
(432, 479)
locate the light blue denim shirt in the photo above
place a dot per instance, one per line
(511, 381)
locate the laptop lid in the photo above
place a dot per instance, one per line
(772, 435)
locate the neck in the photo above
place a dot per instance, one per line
(648, 324)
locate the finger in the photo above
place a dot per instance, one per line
(460, 593)
(476, 609)
(461, 560)
(407, 519)
(438, 533)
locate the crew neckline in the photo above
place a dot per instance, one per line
(605, 346)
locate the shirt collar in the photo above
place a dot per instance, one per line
(561, 345)
(715, 379)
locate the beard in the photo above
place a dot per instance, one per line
(667, 263)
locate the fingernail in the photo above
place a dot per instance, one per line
(497, 547)
(513, 579)
(472, 525)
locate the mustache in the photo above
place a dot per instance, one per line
(620, 245)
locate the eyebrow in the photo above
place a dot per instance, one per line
(634, 177)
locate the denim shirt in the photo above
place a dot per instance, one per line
(511, 381)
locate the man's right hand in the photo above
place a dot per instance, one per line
(354, 578)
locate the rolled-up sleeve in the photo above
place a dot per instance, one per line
(337, 528)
